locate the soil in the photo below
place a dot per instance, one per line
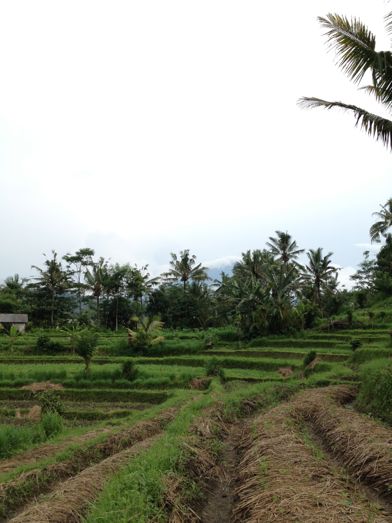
(220, 499)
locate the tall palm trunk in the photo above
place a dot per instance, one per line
(52, 310)
(116, 313)
(98, 311)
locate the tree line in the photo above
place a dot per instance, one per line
(269, 291)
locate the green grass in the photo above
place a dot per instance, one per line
(14, 438)
(375, 393)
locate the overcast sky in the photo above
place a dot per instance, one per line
(143, 127)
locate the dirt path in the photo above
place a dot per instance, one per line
(219, 503)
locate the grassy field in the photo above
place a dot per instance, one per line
(150, 447)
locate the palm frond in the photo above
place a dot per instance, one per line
(354, 43)
(388, 23)
(356, 47)
(376, 126)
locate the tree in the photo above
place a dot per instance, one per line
(364, 277)
(284, 248)
(383, 272)
(384, 222)
(53, 280)
(95, 277)
(77, 263)
(356, 48)
(138, 283)
(184, 268)
(319, 273)
(85, 347)
(115, 285)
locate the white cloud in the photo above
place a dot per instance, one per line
(371, 247)
(225, 261)
(156, 126)
(344, 277)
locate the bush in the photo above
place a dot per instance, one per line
(310, 356)
(209, 342)
(375, 394)
(129, 371)
(50, 402)
(52, 424)
(214, 369)
(44, 345)
(355, 344)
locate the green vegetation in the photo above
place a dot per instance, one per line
(375, 394)
(13, 439)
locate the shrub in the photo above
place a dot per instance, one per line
(309, 357)
(355, 344)
(214, 369)
(129, 371)
(375, 394)
(44, 345)
(209, 342)
(86, 344)
(146, 334)
(50, 402)
(52, 424)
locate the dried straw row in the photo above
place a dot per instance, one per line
(282, 479)
(14, 494)
(70, 500)
(359, 442)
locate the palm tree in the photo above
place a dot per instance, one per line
(319, 272)
(356, 48)
(381, 226)
(184, 268)
(284, 248)
(77, 263)
(252, 264)
(52, 279)
(95, 280)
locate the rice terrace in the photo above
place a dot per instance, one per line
(253, 388)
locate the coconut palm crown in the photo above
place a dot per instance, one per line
(384, 222)
(184, 268)
(355, 45)
(284, 248)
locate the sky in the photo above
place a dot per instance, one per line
(140, 128)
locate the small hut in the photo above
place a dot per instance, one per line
(17, 320)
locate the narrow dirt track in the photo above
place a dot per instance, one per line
(219, 503)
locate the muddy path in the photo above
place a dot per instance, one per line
(220, 499)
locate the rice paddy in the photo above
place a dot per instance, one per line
(247, 432)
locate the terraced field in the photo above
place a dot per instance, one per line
(236, 432)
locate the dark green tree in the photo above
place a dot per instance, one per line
(384, 222)
(77, 266)
(53, 280)
(284, 248)
(184, 268)
(319, 273)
